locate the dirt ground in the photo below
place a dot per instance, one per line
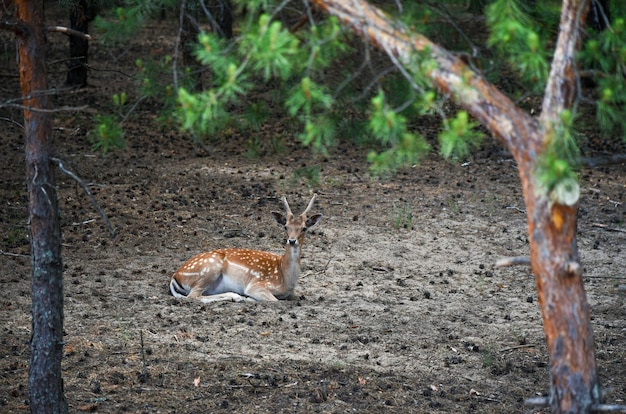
(399, 307)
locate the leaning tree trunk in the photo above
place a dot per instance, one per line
(551, 226)
(46, 344)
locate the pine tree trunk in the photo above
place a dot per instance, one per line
(551, 226)
(45, 381)
(189, 36)
(80, 16)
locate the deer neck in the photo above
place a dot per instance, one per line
(290, 266)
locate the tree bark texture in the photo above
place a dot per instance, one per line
(551, 226)
(45, 381)
(81, 14)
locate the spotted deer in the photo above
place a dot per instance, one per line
(236, 274)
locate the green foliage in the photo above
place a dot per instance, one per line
(271, 48)
(387, 125)
(254, 116)
(319, 133)
(311, 73)
(267, 51)
(154, 80)
(253, 148)
(324, 49)
(555, 169)
(201, 113)
(604, 55)
(515, 35)
(458, 140)
(306, 97)
(125, 21)
(403, 216)
(390, 128)
(108, 134)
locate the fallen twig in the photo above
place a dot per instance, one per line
(516, 208)
(82, 223)
(327, 263)
(513, 261)
(93, 199)
(607, 228)
(13, 254)
(513, 348)
(605, 277)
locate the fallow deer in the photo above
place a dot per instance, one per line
(236, 274)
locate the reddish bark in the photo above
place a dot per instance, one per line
(45, 382)
(551, 226)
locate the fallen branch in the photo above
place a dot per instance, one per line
(513, 348)
(88, 192)
(513, 261)
(69, 32)
(517, 208)
(605, 277)
(143, 359)
(607, 228)
(13, 254)
(44, 111)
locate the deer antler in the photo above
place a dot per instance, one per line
(310, 204)
(287, 206)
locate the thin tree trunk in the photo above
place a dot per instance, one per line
(224, 18)
(551, 226)
(45, 381)
(189, 37)
(81, 14)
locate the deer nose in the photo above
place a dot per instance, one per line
(292, 242)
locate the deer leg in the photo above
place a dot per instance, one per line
(260, 293)
(226, 296)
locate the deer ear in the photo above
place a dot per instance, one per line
(280, 219)
(313, 220)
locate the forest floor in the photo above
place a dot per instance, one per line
(399, 307)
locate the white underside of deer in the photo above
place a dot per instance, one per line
(239, 274)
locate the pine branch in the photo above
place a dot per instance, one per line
(69, 32)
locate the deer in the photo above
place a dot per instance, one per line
(239, 274)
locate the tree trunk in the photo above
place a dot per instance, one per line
(188, 39)
(477, 6)
(599, 15)
(224, 18)
(551, 226)
(45, 381)
(81, 14)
